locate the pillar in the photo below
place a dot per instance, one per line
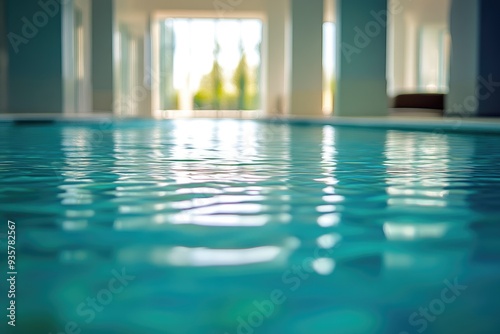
(102, 55)
(489, 66)
(277, 41)
(475, 70)
(35, 81)
(361, 58)
(76, 56)
(3, 59)
(145, 77)
(464, 29)
(306, 92)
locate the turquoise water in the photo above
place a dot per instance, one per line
(215, 227)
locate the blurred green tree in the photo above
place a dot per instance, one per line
(241, 81)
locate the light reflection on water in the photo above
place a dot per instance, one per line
(221, 210)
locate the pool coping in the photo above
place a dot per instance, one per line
(432, 124)
(450, 124)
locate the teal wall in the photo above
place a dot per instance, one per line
(489, 58)
(464, 60)
(475, 69)
(35, 66)
(306, 58)
(102, 54)
(361, 58)
(3, 59)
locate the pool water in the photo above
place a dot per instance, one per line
(228, 227)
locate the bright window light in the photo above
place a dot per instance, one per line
(328, 67)
(210, 64)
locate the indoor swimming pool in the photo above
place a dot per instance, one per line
(233, 226)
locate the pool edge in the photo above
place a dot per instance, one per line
(476, 125)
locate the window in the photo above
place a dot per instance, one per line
(328, 67)
(209, 64)
(127, 73)
(433, 59)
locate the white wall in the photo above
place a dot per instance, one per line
(138, 17)
(84, 74)
(330, 10)
(276, 39)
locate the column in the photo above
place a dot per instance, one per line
(34, 38)
(464, 29)
(361, 58)
(145, 78)
(475, 70)
(275, 65)
(489, 53)
(102, 55)
(306, 93)
(76, 56)
(3, 59)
